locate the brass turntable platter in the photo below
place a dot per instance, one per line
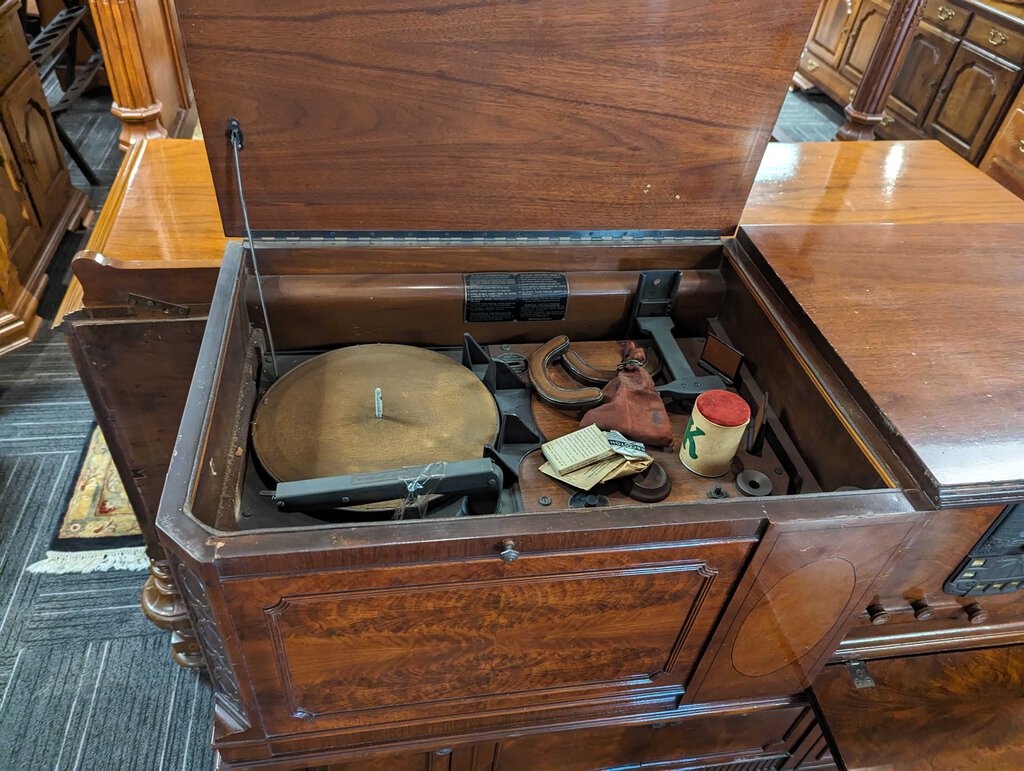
(320, 419)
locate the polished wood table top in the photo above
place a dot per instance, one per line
(919, 182)
(926, 320)
(161, 211)
(907, 260)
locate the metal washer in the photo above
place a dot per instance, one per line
(753, 483)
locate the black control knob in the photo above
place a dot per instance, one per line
(922, 610)
(976, 614)
(878, 614)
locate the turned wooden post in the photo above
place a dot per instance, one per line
(135, 104)
(867, 107)
(145, 61)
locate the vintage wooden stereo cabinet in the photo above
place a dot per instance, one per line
(444, 199)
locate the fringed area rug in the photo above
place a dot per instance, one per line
(98, 531)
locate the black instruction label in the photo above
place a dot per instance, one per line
(516, 296)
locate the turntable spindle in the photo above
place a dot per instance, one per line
(378, 403)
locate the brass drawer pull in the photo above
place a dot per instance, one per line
(945, 13)
(853, 93)
(1021, 148)
(811, 65)
(888, 120)
(997, 38)
(508, 551)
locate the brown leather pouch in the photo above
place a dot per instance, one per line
(631, 405)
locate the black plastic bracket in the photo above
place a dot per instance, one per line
(518, 435)
(652, 316)
(234, 133)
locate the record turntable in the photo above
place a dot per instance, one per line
(379, 432)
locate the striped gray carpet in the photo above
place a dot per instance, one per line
(808, 117)
(86, 682)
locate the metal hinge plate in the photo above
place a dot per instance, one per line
(859, 672)
(171, 309)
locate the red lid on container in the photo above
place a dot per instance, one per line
(723, 408)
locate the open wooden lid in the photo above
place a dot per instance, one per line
(491, 115)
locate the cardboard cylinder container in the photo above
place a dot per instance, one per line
(713, 435)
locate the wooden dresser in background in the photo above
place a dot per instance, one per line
(1004, 160)
(961, 75)
(37, 202)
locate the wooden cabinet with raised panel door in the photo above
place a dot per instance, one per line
(566, 625)
(23, 233)
(1004, 160)
(971, 100)
(866, 29)
(831, 28)
(37, 202)
(919, 79)
(29, 126)
(961, 70)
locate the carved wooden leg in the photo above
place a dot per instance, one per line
(135, 104)
(867, 108)
(163, 605)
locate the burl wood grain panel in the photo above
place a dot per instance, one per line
(383, 644)
(926, 320)
(943, 711)
(485, 115)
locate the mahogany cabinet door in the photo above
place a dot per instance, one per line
(831, 29)
(1004, 161)
(971, 100)
(782, 737)
(29, 126)
(919, 79)
(23, 233)
(481, 636)
(866, 30)
(944, 711)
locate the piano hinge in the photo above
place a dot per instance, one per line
(170, 309)
(507, 238)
